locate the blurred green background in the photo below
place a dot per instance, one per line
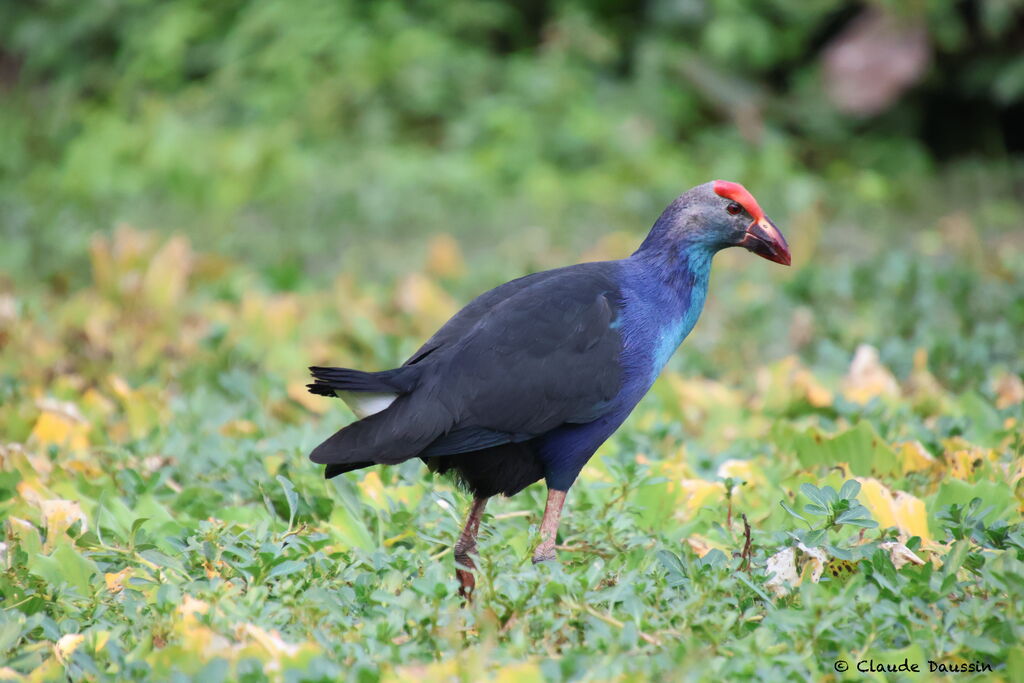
(306, 135)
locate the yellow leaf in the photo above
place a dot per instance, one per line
(894, 509)
(1009, 390)
(239, 428)
(115, 581)
(373, 488)
(926, 391)
(877, 498)
(915, 458)
(961, 463)
(444, 258)
(788, 381)
(268, 318)
(190, 607)
(418, 295)
(66, 646)
(701, 545)
(59, 516)
(90, 468)
(315, 404)
(911, 515)
(142, 406)
(270, 641)
(743, 470)
(867, 377)
(524, 672)
(696, 491)
(96, 404)
(807, 385)
(59, 425)
(696, 395)
(101, 639)
(167, 275)
(381, 496)
(840, 569)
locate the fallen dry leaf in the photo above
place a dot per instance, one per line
(895, 508)
(781, 570)
(58, 516)
(867, 377)
(900, 554)
(115, 581)
(61, 424)
(67, 645)
(1009, 390)
(915, 457)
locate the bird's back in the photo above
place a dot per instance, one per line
(516, 363)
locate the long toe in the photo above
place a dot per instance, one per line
(467, 583)
(544, 555)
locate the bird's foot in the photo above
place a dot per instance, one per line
(545, 553)
(464, 573)
(467, 584)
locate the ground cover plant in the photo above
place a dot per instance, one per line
(161, 517)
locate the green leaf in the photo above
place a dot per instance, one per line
(11, 625)
(757, 589)
(813, 538)
(867, 454)
(998, 496)
(830, 495)
(850, 489)
(814, 493)
(291, 497)
(955, 558)
(793, 512)
(674, 566)
(287, 567)
(860, 522)
(65, 566)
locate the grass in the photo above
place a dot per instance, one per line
(162, 521)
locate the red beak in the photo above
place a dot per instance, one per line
(765, 240)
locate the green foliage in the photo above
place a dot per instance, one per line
(161, 517)
(349, 119)
(837, 509)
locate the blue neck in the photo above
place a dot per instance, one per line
(673, 282)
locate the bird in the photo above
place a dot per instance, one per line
(531, 377)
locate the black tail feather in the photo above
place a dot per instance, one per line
(389, 437)
(335, 469)
(329, 380)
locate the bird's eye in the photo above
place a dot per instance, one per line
(734, 209)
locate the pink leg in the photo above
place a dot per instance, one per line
(549, 526)
(466, 545)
